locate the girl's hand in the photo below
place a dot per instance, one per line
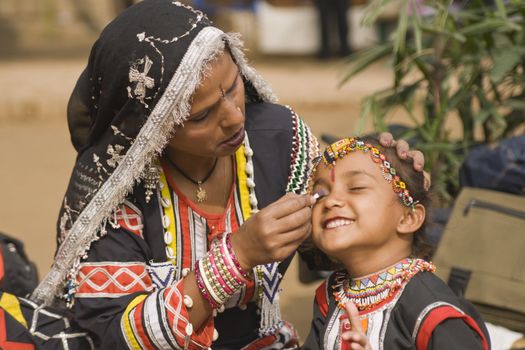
(403, 151)
(275, 232)
(356, 336)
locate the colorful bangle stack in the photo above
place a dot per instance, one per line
(219, 274)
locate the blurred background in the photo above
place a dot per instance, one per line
(447, 76)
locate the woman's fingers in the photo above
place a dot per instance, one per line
(403, 151)
(294, 220)
(386, 139)
(419, 159)
(427, 180)
(290, 204)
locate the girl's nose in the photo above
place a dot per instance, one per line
(333, 199)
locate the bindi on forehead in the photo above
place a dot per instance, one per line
(332, 174)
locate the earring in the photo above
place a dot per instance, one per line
(151, 179)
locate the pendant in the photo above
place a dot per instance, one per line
(201, 194)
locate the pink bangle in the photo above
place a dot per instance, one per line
(210, 282)
(216, 272)
(233, 257)
(228, 263)
(202, 288)
(225, 272)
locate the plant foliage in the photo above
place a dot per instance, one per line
(464, 61)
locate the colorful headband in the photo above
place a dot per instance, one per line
(339, 149)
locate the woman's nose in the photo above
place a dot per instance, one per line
(231, 113)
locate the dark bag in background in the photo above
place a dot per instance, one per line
(18, 275)
(482, 255)
(500, 168)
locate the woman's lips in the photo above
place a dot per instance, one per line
(235, 140)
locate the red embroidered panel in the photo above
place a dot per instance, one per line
(130, 220)
(112, 279)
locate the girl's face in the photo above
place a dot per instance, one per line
(357, 210)
(216, 124)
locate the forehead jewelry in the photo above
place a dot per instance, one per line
(339, 149)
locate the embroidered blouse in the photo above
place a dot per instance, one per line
(422, 313)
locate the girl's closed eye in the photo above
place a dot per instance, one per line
(320, 193)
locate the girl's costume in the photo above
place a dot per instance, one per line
(402, 307)
(126, 234)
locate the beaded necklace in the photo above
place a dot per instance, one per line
(372, 290)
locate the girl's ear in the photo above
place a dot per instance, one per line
(412, 219)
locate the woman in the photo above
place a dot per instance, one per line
(179, 145)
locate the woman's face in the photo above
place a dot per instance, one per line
(357, 209)
(215, 126)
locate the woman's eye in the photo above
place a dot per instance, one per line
(232, 89)
(200, 117)
(356, 188)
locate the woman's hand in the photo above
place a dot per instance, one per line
(356, 336)
(403, 151)
(275, 232)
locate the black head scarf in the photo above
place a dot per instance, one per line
(137, 86)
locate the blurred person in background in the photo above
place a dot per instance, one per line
(333, 25)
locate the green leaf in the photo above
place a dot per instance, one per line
(365, 59)
(504, 62)
(515, 104)
(375, 9)
(436, 146)
(440, 31)
(402, 26)
(501, 8)
(487, 26)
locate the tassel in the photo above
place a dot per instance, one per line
(269, 279)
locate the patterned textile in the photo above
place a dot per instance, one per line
(147, 326)
(112, 279)
(305, 150)
(130, 218)
(27, 326)
(424, 314)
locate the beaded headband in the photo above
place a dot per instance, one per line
(339, 149)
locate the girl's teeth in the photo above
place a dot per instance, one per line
(338, 223)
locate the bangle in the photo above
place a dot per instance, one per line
(202, 288)
(233, 257)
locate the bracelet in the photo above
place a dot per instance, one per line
(202, 288)
(219, 274)
(224, 273)
(233, 257)
(232, 270)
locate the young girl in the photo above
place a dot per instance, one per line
(370, 216)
